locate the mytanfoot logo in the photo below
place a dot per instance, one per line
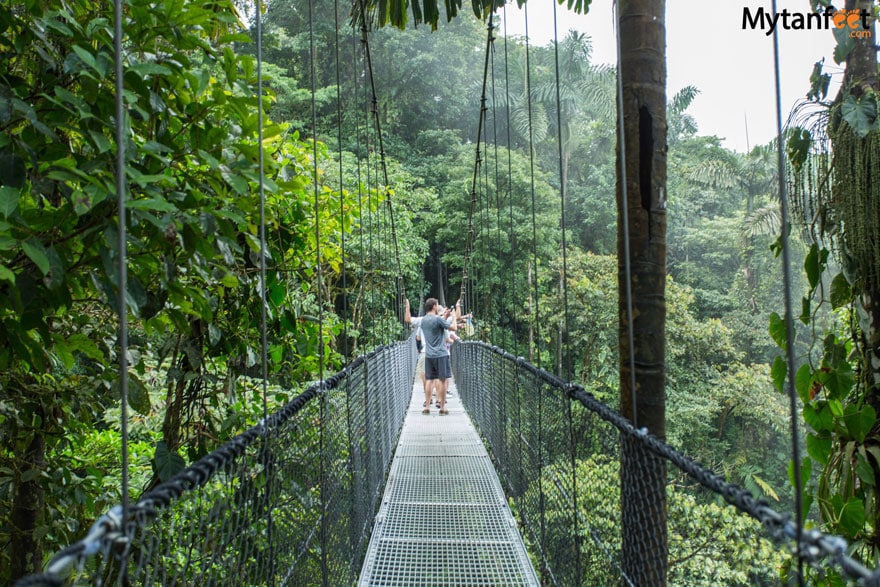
(856, 21)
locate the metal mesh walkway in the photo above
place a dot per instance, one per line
(444, 519)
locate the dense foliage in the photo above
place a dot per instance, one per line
(194, 285)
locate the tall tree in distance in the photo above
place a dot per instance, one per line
(641, 198)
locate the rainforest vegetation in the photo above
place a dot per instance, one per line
(367, 202)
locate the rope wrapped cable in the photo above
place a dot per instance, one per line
(815, 546)
(110, 530)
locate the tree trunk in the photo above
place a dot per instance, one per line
(860, 78)
(643, 476)
(26, 556)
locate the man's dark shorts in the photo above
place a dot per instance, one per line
(437, 368)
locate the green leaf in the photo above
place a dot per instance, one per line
(778, 371)
(864, 469)
(860, 114)
(806, 471)
(778, 331)
(819, 417)
(812, 266)
(859, 421)
(841, 292)
(805, 310)
(845, 44)
(167, 463)
(138, 395)
(85, 345)
(36, 252)
(818, 82)
(9, 197)
(799, 142)
(7, 275)
(803, 381)
(12, 170)
(852, 517)
(837, 381)
(819, 448)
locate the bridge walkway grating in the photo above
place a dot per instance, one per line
(444, 519)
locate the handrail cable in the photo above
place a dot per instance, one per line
(789, 326)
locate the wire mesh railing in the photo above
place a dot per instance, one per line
(584, 483)
(290, 501)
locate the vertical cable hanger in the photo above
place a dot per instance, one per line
(319, 288)
(469, 243)
(400, 292)
(535, 310)
(264, 253)
(341, 184)
(566, 344)
(789, 321)
(512, 235)
(498, 239)
(122, 269)
(563, 188)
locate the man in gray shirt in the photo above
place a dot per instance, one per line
(437, 366)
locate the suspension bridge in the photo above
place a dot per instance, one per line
(351, 484)
(529, 481)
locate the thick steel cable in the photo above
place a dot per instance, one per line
(478, 161)
(352, 510)
(319, 295)
(399, 285)
(567, 344)
(562, 199)
(499, 242)
(789, 325)
(264, 252)
(341, 183)
(535, 314)
(511, 233)
(360, 181)
(122, 267)
(624, 212)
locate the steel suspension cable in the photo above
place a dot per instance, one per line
(563, 188)
(264, 253)
(789, 321)
(624, 211)
(122, 243)
(511, 232)
(536, 313)
(400, 292)
(320, 293)
(535, 317)
(566, 346)
(469, 243)
(498, 304)
(341, 185)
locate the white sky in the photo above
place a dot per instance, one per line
(707, 47)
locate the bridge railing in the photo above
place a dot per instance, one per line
(289, 502)
(569, 463)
